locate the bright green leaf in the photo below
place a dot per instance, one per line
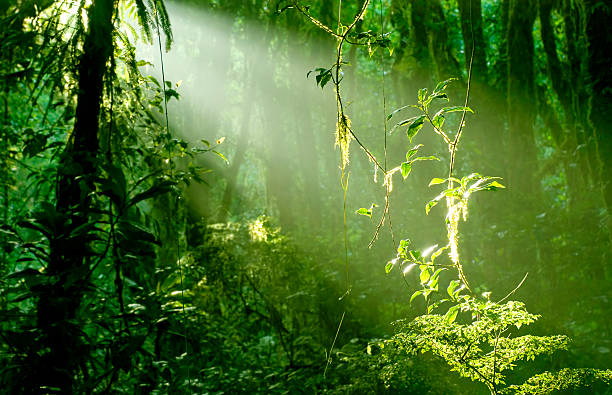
(221, 156)
(442, 85)
(425, 275)
(436, 181)
(390, 265)
(455, 109)
(438, 121)
(437, 253)
(413, 151)
(406, 167)
(422, 94)
(431, 157)
(451, 314)
(364, 211)
(415, 294)
(451, 288)
(495, 185)
(415, 126)
(430, 205)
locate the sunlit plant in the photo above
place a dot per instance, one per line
(474, 335)
(470, 332)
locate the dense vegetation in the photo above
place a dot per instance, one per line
(175, 217)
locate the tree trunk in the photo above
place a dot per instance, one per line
(521, 160)
(241, 146)
(446, 64)
(573, 21)
(422, 71)
(67, 271)
(566, 140)
(599, 41)
(414, 67)
(471, 30)
(521, 100)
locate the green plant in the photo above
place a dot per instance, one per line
(471, 333)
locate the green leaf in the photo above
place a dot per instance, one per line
(437, 121)
(390, 265)
(433, 280)
(430, 205)
(494, 186)
(451, 314)
(401, 249)
(364, 211)
(323, 76)
(156, 190)
(433, 283)
(221, 156)
(413, 151)
(436, 181)
(422, 94)
(439, 95)
(324, 79)
(451, 288)
(442, 85)
(155, 81)
(455, 109)
(406, 168)
(170, 93)
(35, 145)
(437, 253)
(415, 294)
(425, 275)
(141, 63)
(25, 273)
(437, 272)
(430, 157)
(408, 121)
(415, 126)
(400, 109)
(133, 231)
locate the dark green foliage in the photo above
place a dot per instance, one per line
(116, 278)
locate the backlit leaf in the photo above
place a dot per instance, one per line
(430, 205)
(415, 294)
(364, 211)
(451, 314)
(455, 109)
(436, 181)
(413, 151)
(406, 168)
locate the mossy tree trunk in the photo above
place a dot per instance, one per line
(68, 269)
(521, 160)
(446, 63)
(599, 41)
(473, 37)
(565, 137)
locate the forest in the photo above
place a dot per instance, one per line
(279, 197)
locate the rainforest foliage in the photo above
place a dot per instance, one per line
(358, 196)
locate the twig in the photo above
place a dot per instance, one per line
(515, 289)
